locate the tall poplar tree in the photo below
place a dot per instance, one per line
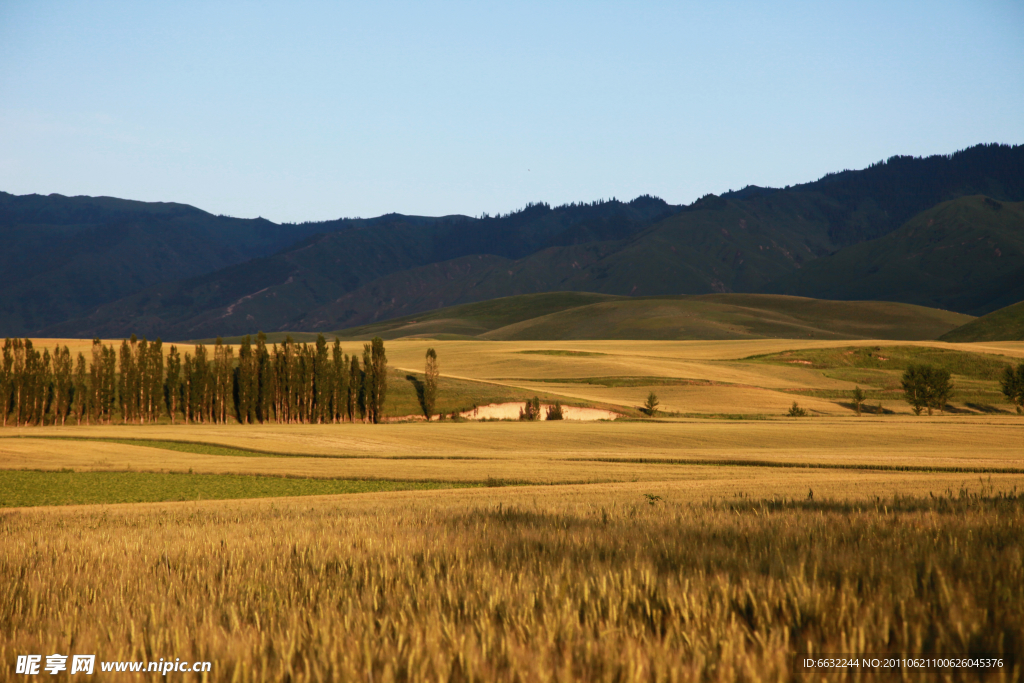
(380, 378)
(246, 382)
(430, 373)
(202, 386)
(140, 380)
(43, 387)
(63, 384)
(322, 382)
(188, 401)
(96, 382)
(6, 380)
(339, 399)
(18, 380)
(266, 383)
(356, 397)
(222, 384)
(124, 379)
(155, 380)
(173, 381)
(109, 383)
(80, 400)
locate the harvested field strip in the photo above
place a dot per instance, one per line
(30, 488)
(802, 465)
(204, 448)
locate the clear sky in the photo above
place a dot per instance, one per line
(309, 111)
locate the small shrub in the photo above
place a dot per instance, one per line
(532, 410)
(796, 411)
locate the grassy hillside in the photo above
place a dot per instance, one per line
(477, 318)
(734, 316)
(964, 255)
(1006, 324)
(577, 315)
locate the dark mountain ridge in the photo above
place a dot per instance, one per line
(236, 276)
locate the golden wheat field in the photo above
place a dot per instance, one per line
(686, 549)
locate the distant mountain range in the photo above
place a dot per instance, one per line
(942, 231)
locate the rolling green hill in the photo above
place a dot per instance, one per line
(1005, 324)
(476, 319)
(965, 255)
(570, 315)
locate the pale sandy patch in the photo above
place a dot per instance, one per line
(510, 411)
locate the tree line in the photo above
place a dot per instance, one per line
(138, 383)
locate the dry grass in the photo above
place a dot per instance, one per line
(551, 453)
(717, 580)
(558, 583)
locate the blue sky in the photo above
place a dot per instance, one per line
(310, 111)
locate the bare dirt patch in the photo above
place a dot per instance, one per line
(510, 411)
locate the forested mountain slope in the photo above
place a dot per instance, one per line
(964, 255)
(63, 256)
(97, 266)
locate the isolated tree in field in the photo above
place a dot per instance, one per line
(651, 404)
(941, 390)
(430, 373)
(915, 389)
(555, 412)
(926, 387)
(1012, 384)
(858, 400)
(796, 411)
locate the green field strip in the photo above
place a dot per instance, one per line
(33, 488)
(205, 448)
(725, 462)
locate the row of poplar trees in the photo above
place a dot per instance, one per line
(287, 383)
